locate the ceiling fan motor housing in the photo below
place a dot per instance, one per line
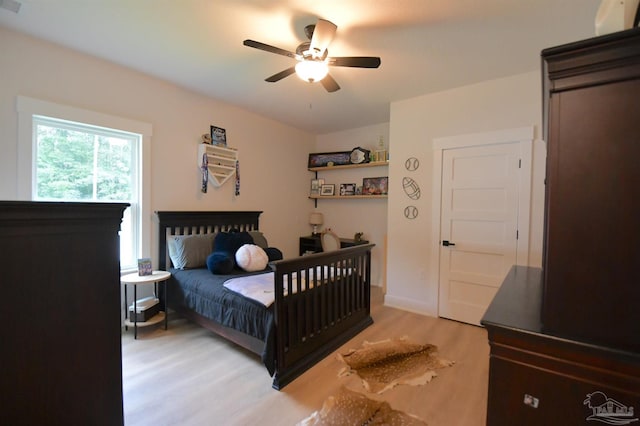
(307, 53)
(308, 30)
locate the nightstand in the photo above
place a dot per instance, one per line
(311, 244)
(136, 280)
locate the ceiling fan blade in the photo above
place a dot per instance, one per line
(282, 74)
(330, 84)
(355, 61)
(323, 33)
(269, 48)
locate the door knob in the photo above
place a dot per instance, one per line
(446, 243)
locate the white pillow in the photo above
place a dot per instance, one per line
(251, 258)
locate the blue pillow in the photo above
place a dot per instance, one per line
(220, 263)
(230, 242)
(273, 254)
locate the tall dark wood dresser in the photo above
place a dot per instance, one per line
(565, 338)
(61, 355)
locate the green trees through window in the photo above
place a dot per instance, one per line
(77, 165)
(78, 162)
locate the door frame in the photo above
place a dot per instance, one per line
(521, 135)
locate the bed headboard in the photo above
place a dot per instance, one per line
(200, 222)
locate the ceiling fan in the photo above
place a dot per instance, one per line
(313, 56)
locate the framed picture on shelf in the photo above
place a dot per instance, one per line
(327, 189)
(218, 136)
(145, 267)
(375, 186)
(316, 185)
(328, 159)
(347, 189)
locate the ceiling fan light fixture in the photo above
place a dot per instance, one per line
(312, 71)
(313, 57)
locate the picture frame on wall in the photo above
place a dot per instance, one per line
(218, 136)
(375, 185)
(328, 159)
(316, 185)
(327, 190)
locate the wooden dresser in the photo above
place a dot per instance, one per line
(565, 339)
(61, 354)
(536, 378)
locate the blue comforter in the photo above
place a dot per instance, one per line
(203, 292)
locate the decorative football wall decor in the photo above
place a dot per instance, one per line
(411, 188)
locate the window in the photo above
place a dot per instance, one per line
(77, 162)
(98, 159)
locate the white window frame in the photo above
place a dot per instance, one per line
(28, 107)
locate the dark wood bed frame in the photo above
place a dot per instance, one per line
(311, 323)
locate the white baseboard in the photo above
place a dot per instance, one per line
(409, 305)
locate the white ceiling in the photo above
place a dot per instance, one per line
(425, 46)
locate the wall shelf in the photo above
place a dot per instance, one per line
(328, 197)
(349, 166)
(315, 198)
(221, 162)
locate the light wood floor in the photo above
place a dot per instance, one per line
(189, 376)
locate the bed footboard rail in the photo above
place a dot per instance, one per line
(321, 301)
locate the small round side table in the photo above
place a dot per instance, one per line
(136, 280)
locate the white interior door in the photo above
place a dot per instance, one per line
(478, 226)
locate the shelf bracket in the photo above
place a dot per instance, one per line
(315, 200)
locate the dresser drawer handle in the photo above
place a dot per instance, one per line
(531, 401)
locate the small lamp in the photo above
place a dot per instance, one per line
(315, 219)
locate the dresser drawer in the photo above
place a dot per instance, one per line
(528, 395)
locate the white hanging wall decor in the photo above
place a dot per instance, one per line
(221, 162)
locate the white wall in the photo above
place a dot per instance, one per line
(346, 217)
(504, 103)
(42, 70)
(46, 71)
